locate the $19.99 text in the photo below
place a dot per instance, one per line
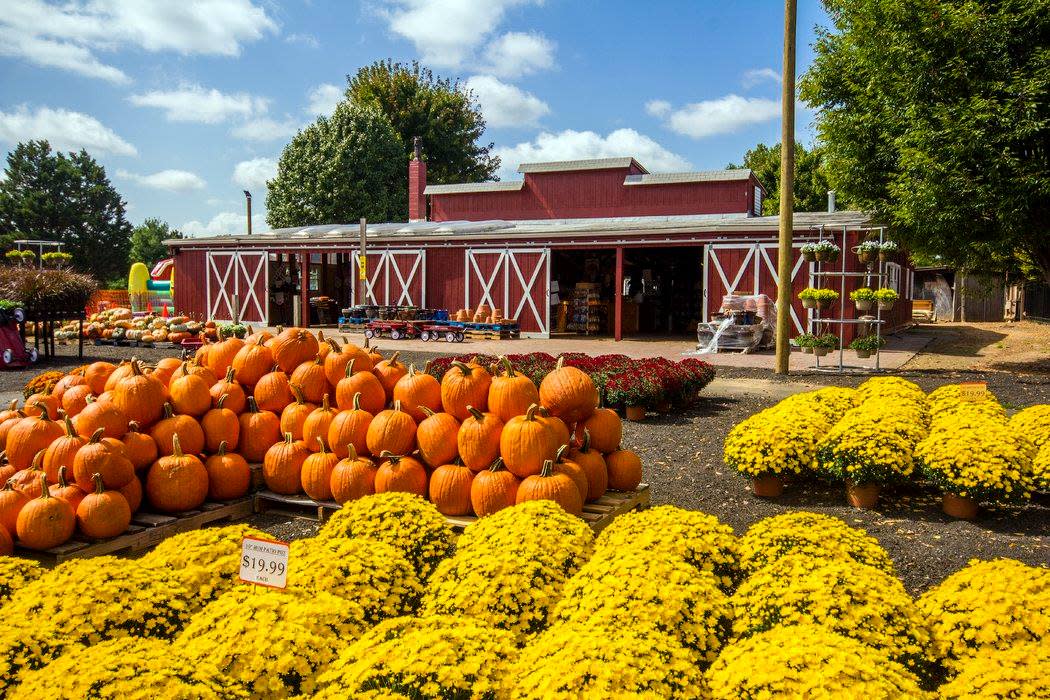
(262, 565)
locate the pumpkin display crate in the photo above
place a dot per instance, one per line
(146, 530)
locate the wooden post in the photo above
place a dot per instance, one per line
(618, 296)
(304, 284)
(787, 190)
(362, 264)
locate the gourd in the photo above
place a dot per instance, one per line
(478, 439)
(292, 347)
(316, 425)
(272, 392)
(190, 394)
(283, 465)
(177, 482)
(295, 414)
(465, 385)
(569, 393)
(625, 470)
(101, 414)
(450, 489)
(45, 522)
(229, 475)
(70, 493)
(416, 391)
(493, 489)
(220, 425)
(353, 477)
(252, 362)
(605, 427)
(350, 428)
(389, 372)
(551, 486)
(436, 437)
(29, 436)
(236, 399)
(140, 397)
(96, 457)
(310, 378)
(526, 443)
(62, 451)
(103, 513)
(140, 449)
(259, 430)
(391, 431)
(401, 473)
(317, 473)
(354, 381)
(511, 393)
(594, 465)
(573, 470)
(191, 437)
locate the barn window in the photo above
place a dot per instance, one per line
(758, 201)
(893, 276)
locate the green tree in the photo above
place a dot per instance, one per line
(934, 115)
(339, 169)
(147, 241)
(65, 197)
(441, 112)
(811, 182)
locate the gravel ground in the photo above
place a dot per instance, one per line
(682, 454)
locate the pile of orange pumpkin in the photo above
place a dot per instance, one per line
(333, 422)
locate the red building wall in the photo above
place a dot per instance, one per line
(594, 193)
(191, 282)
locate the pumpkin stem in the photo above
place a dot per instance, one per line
(169, 412)
(319, 359)
(320, 441)
(561, 362)
(426, 366)
(133, 426)
(229, 375)
(288, 439)
(497, 465)
(44, 492)
(357, 401)
(62, 483)
(136, 368)
(38, 460)
(14, 405)
(349, 367)
(221, 401)
(547, 467)
(390, 457)
(586, 446)
(297, 392)
(530, 414)
(461, 367)
(43, 411)
(393, 358)
(560, 455)
(478, 415)
(222, 449)
(70, 432)
(352, 450)
(97, 478)
(96, 436)
(397, 405)
(505, 363)
(176, 448)
(333, 344)
(426, 410)
(412, 370)
(252, 406)
(325, 406)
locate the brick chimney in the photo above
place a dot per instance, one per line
(417, 182)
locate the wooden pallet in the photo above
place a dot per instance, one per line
(597, 514)
(146, 530)
(490, 335)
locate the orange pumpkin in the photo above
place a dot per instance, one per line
(191, 437)
(65, 383)
(229, 475)
(29, 436)
(310, 377)
(6, 470)
(140, 449)
(190, 394)
(295, 414)
(7, 545)
(316, 425)
(569, 393)
(398, 473)
(283, 465)
(354, 381)
(37, 402)
(350, 429)
(478, 439)
(28, 480)
(259, 430)
(236, 399)
(465, 385)
(45, 522)
(526, 443)
(418, 390)
(140, 397)
(103, 513)
(75, 399)
(272, 392)
(374, 355)
(625, 470)
(551, 486)
(389, 372)
(450, 489)
(557, 426)
(70, 493)
(101, 414)
(133, 493)
(194, 367)
(336, 361)
(164, 368)
(221, 354)
(5, 427)
(391, 431)
(511, 393)
(123, 370)
(96, 457)
(252, 362)
(353, 477)
(292, 347)
(11, 502)
(220, 425)
(493, 489)
(317, 473)
(96, 375)
(436, 437)
(177, 482)
(573, 470)
(605, 427)
(594, 464)
(62, 451)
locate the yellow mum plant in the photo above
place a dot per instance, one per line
(500, 588)
(1041, 469)
(775, 442)
(698, 538)
(568, 662)
(845, 597)
(867, 451)
(972, 456)
(891, 388)
(988, 605)
(949, 396)
(813, 534)
(1019, 671)
(1034, 422)
(808, 661)
(532, 529)
(271, 643)
(403, 520)
(372, 574)
(905, 419)
(642, 591)
(207, 560)
(428, 657)
(15, 573)
(831, 402)
(972, 411)
(128, 668)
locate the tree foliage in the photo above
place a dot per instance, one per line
(147, 241)
(934, 115)
(811, 181)
(65, 197)
(339, 169)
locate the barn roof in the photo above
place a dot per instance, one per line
(700, 176)
(559, 166)
(471, 187)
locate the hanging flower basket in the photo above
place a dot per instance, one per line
(862, 496)
(809, 303)
(767, 486)
(809, 255)
(885, 305)
(959, 506)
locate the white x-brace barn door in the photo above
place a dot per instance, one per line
(742, 268)
(395, 278)
(516, 280)
(238, 274)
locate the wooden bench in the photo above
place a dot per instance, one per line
(922, 309)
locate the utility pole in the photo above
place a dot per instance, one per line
(787, 189)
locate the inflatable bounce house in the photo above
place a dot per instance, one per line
(152, 291)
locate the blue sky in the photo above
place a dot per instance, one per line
(187, 103)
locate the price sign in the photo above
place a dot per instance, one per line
(973, 391)
(362, 268)
(264, 562)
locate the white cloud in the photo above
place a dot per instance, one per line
(170, 180)
(254, 172)
(323, 99)
(658, 108)
(721, 116)
(515, 54)
(573, 145)
(506, 105)
(760, 75)
(65, 130)
(265, 129)
(66, 35)
(307, 40)
(446, 32)
(227, 222)
(193, 103)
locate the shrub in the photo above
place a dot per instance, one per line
(46, 290)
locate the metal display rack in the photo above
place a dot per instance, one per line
(816, 319)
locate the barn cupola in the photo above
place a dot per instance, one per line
(417, 183)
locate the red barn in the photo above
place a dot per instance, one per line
(588, 246)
